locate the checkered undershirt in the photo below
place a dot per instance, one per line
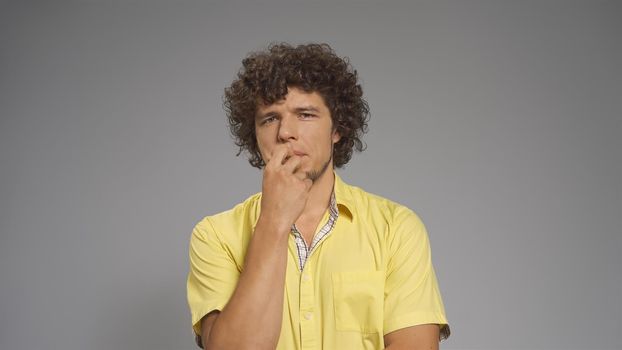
(301, 246)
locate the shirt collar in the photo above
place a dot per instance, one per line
(343, 195)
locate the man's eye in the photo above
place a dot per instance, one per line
(306, 115)
(268, 120)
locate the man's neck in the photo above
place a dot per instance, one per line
(319, 194)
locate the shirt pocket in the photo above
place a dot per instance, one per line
(359, 300)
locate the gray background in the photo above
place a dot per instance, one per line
(498, 122)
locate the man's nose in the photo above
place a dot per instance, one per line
(288, 129)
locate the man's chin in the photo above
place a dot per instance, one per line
(311, 176)
(315, 175)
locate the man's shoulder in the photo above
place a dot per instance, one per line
(396, 221)
(373, 204)
(242, 214)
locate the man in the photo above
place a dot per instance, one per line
(310, 262)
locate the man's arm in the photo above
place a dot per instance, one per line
(252, 317)
(414, 312)
(421, 337)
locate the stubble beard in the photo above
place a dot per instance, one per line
(313, 175)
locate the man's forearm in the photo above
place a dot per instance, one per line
(252, 318)
(419, 337)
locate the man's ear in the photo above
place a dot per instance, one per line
(336, 136)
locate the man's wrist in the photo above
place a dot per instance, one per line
(276, 226)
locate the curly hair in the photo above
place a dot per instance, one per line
(265, 77)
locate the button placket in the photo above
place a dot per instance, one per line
(307, 308)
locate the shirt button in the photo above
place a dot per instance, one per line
(306, 277)
(308, 316)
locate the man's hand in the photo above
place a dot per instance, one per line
(285, 188)
(255, 311)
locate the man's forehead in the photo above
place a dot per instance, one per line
(297, 96)
(262, 104)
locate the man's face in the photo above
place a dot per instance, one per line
(303, 121)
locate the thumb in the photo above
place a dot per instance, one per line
(308, 183)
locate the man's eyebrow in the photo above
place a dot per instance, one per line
(307, 109)
(265, 114)
(259, 115)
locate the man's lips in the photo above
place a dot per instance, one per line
(299, 154)
(293, 153)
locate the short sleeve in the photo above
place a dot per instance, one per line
(213, 273)
(412, 296)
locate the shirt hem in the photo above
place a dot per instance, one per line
(199, 312)
(418, 318)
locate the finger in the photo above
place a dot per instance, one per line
(292, 164)
(279, 153)
(301, 175)
(289, 154)
(308, 182)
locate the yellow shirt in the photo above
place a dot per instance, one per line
(371, 275)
